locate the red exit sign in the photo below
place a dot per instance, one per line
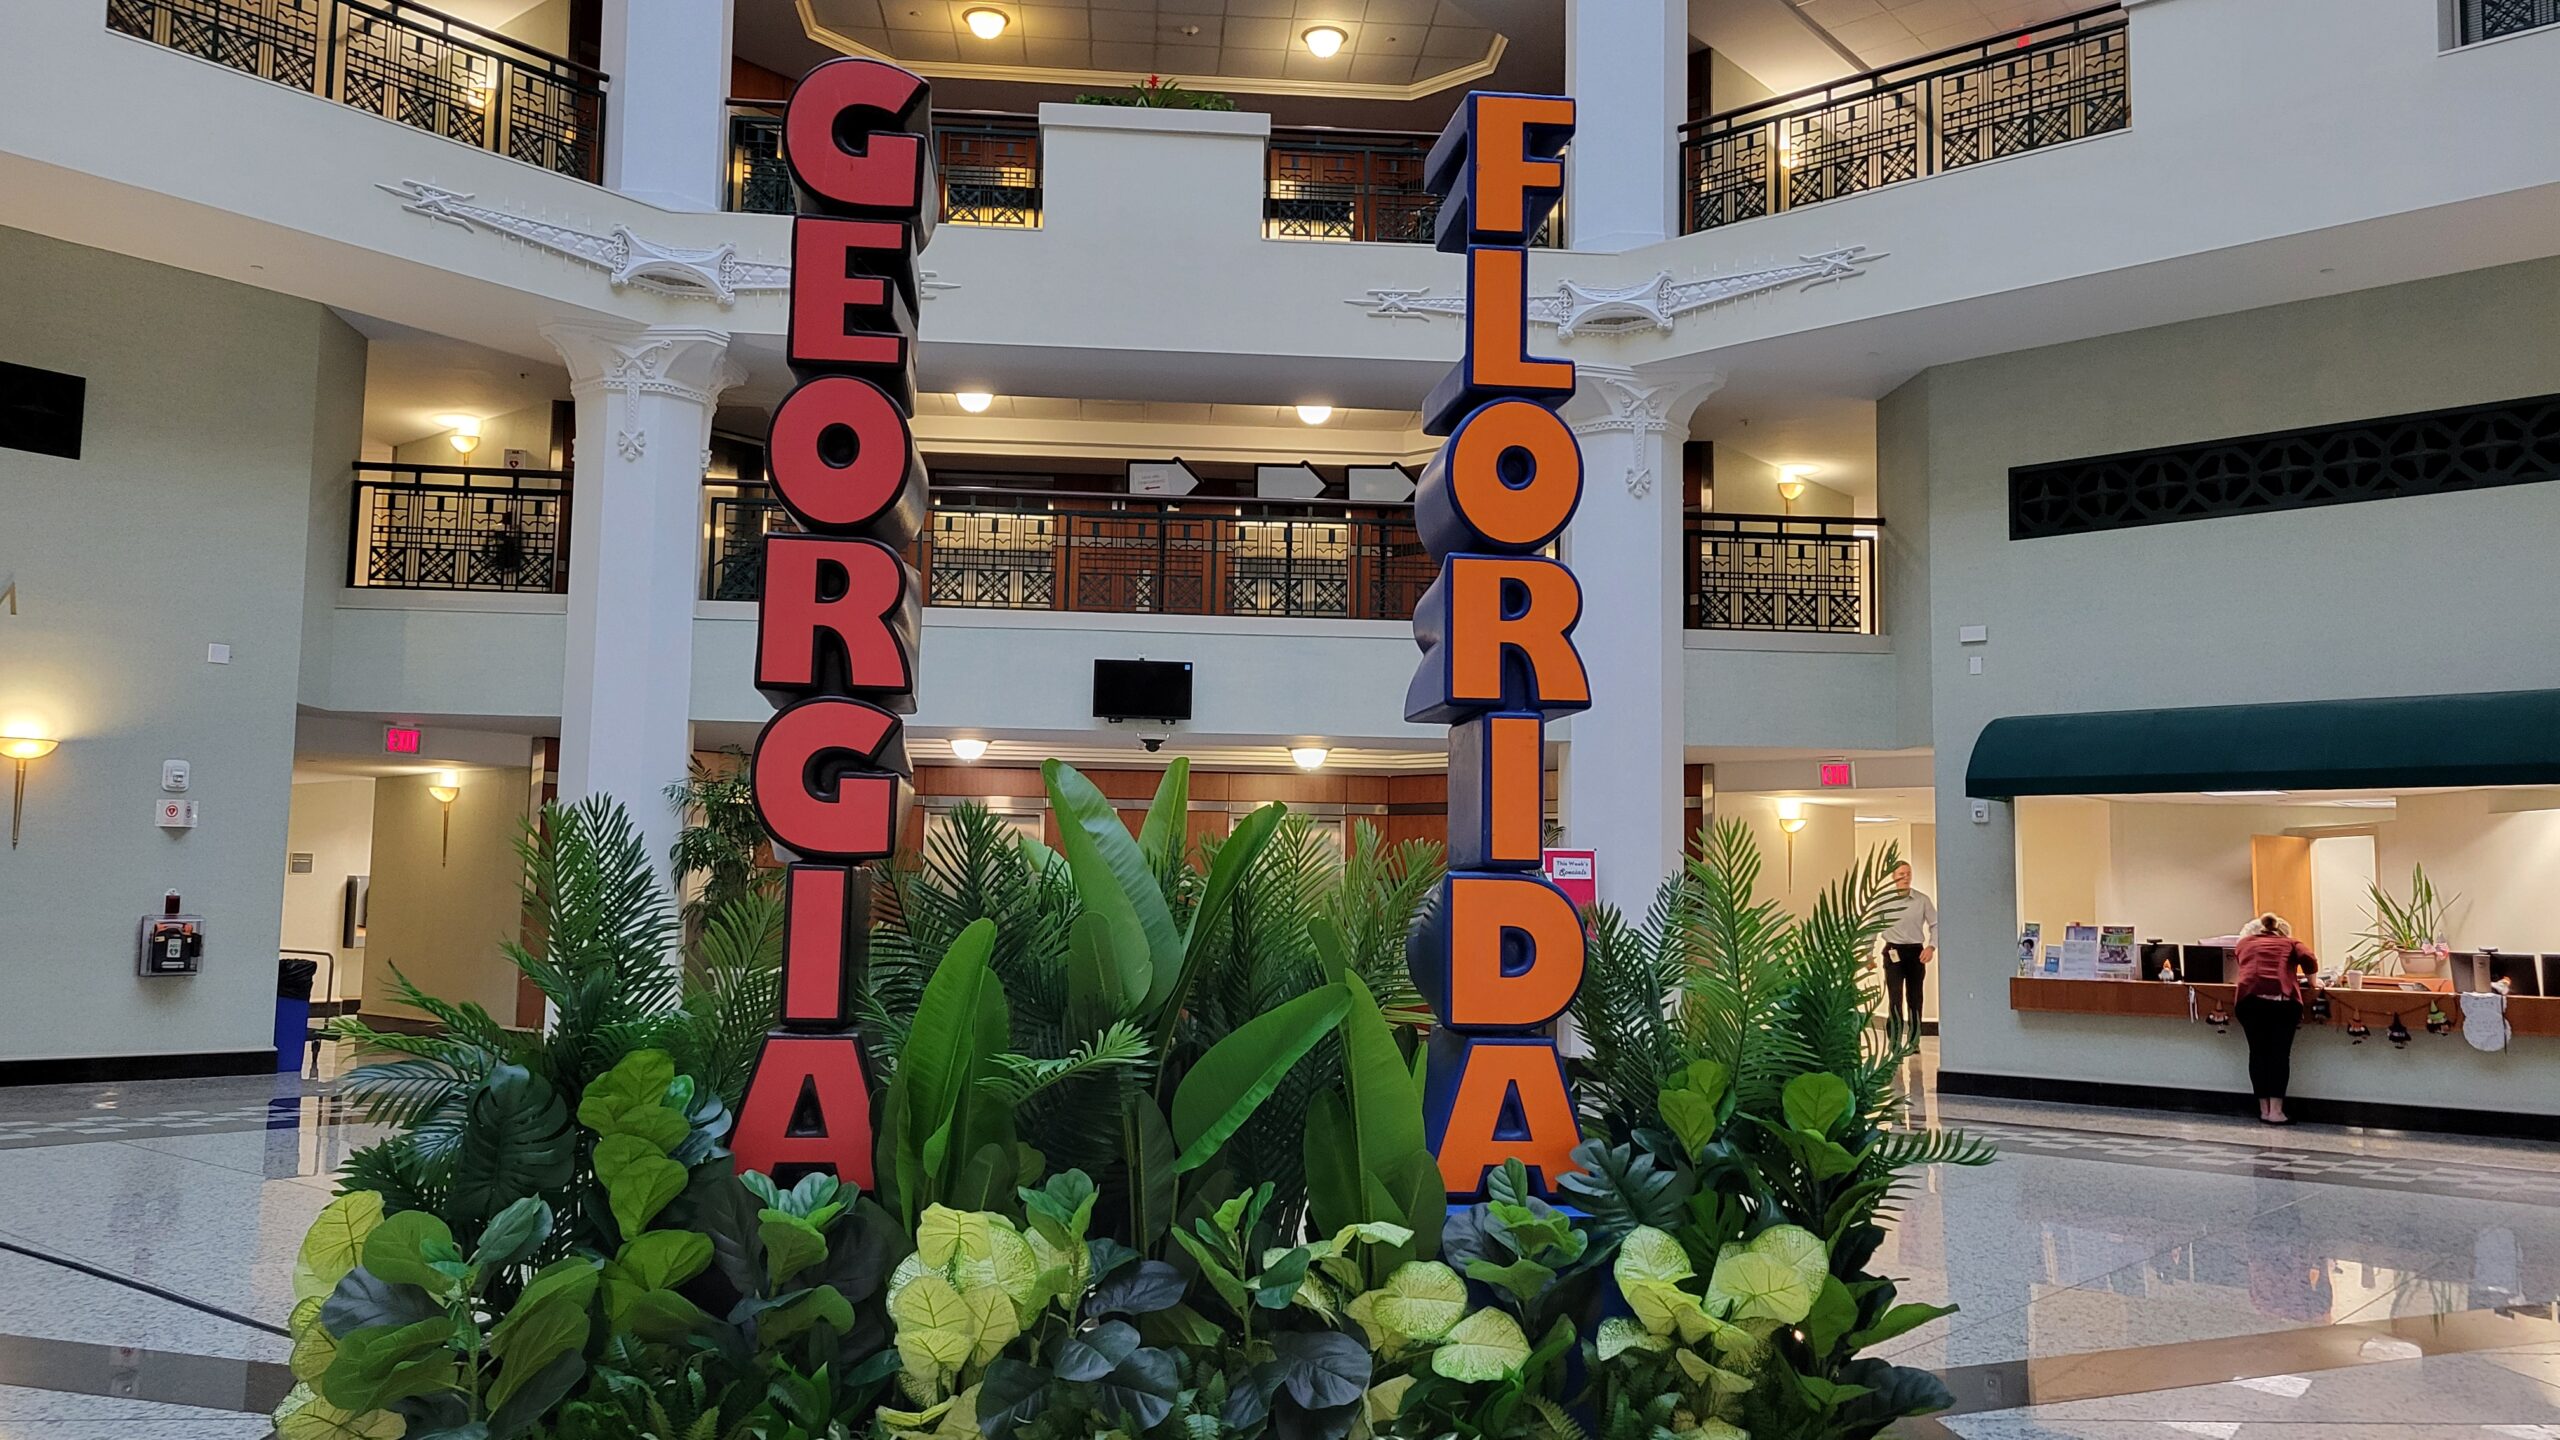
(1836, 775)
(402, 739)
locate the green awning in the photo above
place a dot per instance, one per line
(2407, 742)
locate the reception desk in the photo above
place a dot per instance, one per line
(2527, 1015)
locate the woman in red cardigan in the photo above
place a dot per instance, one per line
(2270, 1007)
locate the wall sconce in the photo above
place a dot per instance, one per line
(22, 748)
(1790, 820)
(974, 401)
(969, 749)
(446, 789)
(1308, 757)
(466, 432)
(1314, 414)
(1791, 484)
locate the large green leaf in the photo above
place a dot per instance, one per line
(1097, 992)
(1238, 1073)
(334, 1244)
(1148, 1149)
(414, 1248)
(1899, 1320)
(1337, 1191)
(1112, 878)
(1236, 854)
(1775, 1277)
(1815, 1101)
(1420, 1302)
(306, 1415)
(1167, 831)
(1484, 1347)
(1386, 1111)
(516, 1141)
(631, 1099)
(513, 1233)
(941, 1060)
(549, 1320)
(638, 1180)
(380, 1365)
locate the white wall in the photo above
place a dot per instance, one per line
(2307, 604)
(2342, 874)
(332, 822)
(528, 429)
(2499, 860)
(211, 408)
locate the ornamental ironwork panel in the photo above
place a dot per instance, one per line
(448, 528)
(1323, 185)
(1299, 568)
(2478, 447)
(2012, 93)
(2489, 19)
(993, 559)
(733, 568)
(989, 166)
(1767, 572)
(2041, 96)
(1139, 562)
(405, 63)
(275, 40)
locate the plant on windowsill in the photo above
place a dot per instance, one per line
(1158, 93)
(2409, 935)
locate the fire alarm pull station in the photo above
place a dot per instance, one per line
(172, 943)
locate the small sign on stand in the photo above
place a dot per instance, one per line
(1576, 873)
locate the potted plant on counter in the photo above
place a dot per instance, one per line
(2408, 935)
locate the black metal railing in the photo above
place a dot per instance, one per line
(992, 549)
(455, 527)
(403, 62)
(2004, 96)
(1352, 185)
(1803, 574)
(2488, 19)
(988, 164)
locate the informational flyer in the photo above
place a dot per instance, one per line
(2079, 952)
(2030, 947)
(2116, 955)
(2053, 962)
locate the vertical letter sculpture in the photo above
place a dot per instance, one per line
(836, 622)
(1501, 955)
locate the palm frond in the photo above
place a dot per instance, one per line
(1123, 1047)
(1381, 894)
(734, 995)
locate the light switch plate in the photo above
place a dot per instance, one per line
(1981, 812)
(1973, 634)
(217, 654)
(1973, 664)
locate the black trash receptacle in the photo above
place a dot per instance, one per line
(293, 1009)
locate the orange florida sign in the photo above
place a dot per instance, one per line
(836, 619)
(1501, 954)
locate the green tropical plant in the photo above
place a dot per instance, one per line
(723, 839)
(2392, 926)
(1158, 93)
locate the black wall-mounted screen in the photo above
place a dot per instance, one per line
(1142, 689)
(40, 410)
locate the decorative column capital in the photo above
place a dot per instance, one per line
(1615, 400)
(629, 362)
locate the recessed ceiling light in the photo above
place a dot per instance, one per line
(1308, 757)
(1324, 41)
(969, 749)
(1315, 414)
(1877, 820)
(984, 21)
(975, 401)
(2239, 794)
(2365, 803)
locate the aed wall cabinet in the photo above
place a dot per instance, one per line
(172, 944)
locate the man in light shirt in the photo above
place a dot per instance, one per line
(1910, 943)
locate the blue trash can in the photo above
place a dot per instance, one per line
(293, 1010)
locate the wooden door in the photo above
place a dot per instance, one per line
(2280, 881)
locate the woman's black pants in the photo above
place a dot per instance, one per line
(2269, 1023)
(1903, 974)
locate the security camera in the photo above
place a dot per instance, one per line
(1153, 743)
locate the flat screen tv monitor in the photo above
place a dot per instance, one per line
(1142, 689)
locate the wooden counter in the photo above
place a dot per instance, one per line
(2527, 1015)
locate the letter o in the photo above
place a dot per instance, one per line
(1513, 474)
(839, 452)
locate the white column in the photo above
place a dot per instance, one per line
(1626, 65)
(1622, 793)
(644, 397)
(666, 125)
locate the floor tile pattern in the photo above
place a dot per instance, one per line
(2276, 1162)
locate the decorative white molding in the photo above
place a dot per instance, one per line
(628, 260)
(627, 363)
(1632, 405)
(1576, 309)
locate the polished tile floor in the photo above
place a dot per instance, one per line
(2121, 1274)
